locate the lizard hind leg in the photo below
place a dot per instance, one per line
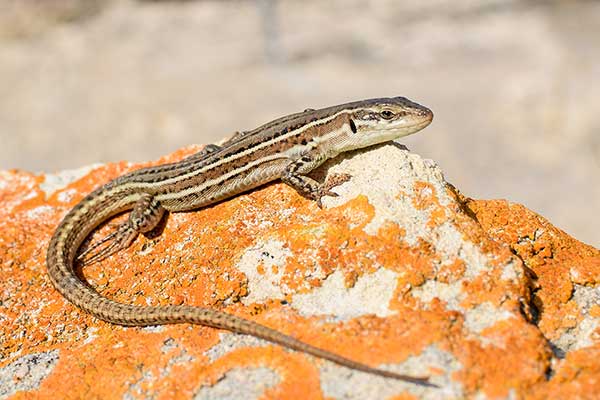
(144, 217)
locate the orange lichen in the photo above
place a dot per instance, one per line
(451, 272)
(558, 260)
(425, 198)
(514, 356)
(194, 261)
(574, 377)
(595, 311)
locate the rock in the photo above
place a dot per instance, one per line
(400, 271)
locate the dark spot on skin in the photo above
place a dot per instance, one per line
(352, 126)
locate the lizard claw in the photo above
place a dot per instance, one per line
(321, 195)
(333, 181)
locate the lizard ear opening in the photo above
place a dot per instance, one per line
(352, 126)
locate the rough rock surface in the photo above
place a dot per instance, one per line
(399, 271)
(512, 83)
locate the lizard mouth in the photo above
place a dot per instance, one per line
(419, 125)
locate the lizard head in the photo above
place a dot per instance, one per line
(381, 120)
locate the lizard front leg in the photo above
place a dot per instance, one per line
(294, 176)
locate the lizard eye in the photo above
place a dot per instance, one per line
(387, 114)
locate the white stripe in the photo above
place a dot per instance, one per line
(233, 157)
(290, 153)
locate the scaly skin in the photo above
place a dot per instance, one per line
(287, 149)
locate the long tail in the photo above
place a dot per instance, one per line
(60, 259)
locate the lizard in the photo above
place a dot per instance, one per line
(287, 148)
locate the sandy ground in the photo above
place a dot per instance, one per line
(514, 84)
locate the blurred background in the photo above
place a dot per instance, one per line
(514, 84)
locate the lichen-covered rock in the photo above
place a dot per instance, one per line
(400, 271)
